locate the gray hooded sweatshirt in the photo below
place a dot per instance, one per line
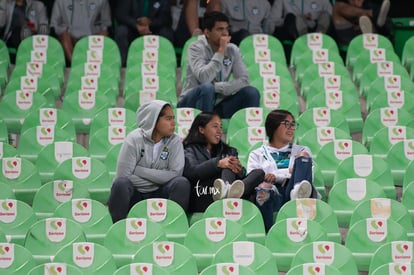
(135, 160)
(80, 17)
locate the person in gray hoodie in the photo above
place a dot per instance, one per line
(216, 78)
(20, 19)
(150, 163)
(74, 19)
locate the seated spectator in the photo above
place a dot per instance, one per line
(353, 17)
(137, 18)
(246, 17)
(288, 167)
(292, 18)
(150, 163)
(20, 19)
(212, 166)
(216, 77)
(190, 19)
(74, 19)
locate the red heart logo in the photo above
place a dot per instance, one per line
(235, 203)
(7, 248)
(89, 94)
(120, 130)
(317, 269)
(85, 204)
(87, 248)
(405, 247)
(400, 130)
(231, 269)
(328, 131)
(145, 269)
(324, 112)
(404, 268)
(219, 223)
(10, 204)
(119, 112)
(59, 269)
(167, 247)
(327, 247)
(51, 113)
(15, 163)
(160, 204)
(59, 224)
(380, 223)
(392, 112)
(48, 130)
(139, 223)
(188, 112)
(84, 162)
(26, 94)
(346, 144)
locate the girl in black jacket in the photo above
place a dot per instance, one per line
(212, 166)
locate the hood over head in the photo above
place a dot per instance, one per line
(147, 115)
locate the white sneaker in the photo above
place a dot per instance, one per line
(382, 16)
(365, 24)
(236, 189)
(221, 189)
(301, 190)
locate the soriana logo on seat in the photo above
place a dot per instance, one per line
(402, 251)
(55, 229)
(314, 40)
(116, 116)
(116, 134)
(157, 209)
(6, 254)
(45, 135)
(34, 69)
(62, 190)
(94, 56)
(271, 99)
(140, 269)
(151, 42)
(260, 41)
(323, 252)
(12, 168)
(342, 148)
(96, 42)
(55, 268)
(24, 100)
(313, 268)
(136, 229)
(48, 116)
(83, 254)
(232, 209)
(399, 268)
(40, 41)
(163, 253)
(185, 116)
(376, 229)
(81, 210)
(81, 167)
(86, 100)
(227, 268)
(8, 210)
(215, 229)
(297, 229)
(38, 56)
(370, 40)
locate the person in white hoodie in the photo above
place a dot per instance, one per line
(150, 163)
(288, 166)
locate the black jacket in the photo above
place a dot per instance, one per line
(201, 170)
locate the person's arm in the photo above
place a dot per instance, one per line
(204, 70)
(190, 10)
(175, 165)
(57, 20)
(343, 12)
(41, 17)
(124, 14)
(240, 76)
(194, 170)
(105, 20)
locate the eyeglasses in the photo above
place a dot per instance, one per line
(289, 125)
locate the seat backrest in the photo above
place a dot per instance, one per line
(169, 214)
(111, 160)
(184, 118)
(366, 236)
(241, 211)
(6, 191)
(174, 257)
(258, 41)
(7, 150)
(92, 215)
(45, 237)
(346, 194)
(409, 177)
(332, 153)
(313, 268)
(16, 106)
(114, 116)
(369, 167)
(287, 236)
(89, 257)
(88, 171)
(392, 252)
(207, 235)
(253, 255)
(126, 236)
(399, 157)
(15, 220)
(317, 117)
(316, 137)
(253, 116)
(399, 268)
(15, 259)
(380, 118)
(388, 83)
(245, 138)
(386, 137)
(55, 153)
(312, 209)
(34, 139)
(329, 253)
(4, 134)
(22, 176)
(53, 193)
(397, 99)
(383, 208)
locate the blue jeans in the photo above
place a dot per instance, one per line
(203, 98)
(302, 170)
(124, 195)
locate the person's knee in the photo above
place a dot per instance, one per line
(252, 96)
(207, 88)
(121, 184)
(182, 185)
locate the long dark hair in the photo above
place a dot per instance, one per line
(195, 137)
(273, 120)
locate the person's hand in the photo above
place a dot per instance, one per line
(232, 163)
(270, 177)
(224, 41)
